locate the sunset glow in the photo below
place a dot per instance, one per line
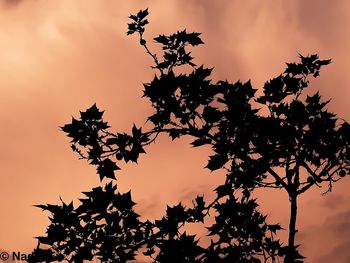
(59, 57)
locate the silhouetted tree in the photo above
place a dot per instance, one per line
(282, 139)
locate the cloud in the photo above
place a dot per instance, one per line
(334, 201)
(318, 18)
(329, 241)
(11, 3)
(339, 254)
(339, 227)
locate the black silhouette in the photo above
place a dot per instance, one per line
(251, 136)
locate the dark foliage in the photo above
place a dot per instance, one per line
(283, 139)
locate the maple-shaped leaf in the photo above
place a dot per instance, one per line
(216, 162)
(142, 14)
(75, 130)
(92, 113)
(124, 201)
(106, 169)
(200, 142)
(175, 133)
(323, 62)
(136, 133)
(177, 212)
(194, 39)
(48, 207)
(162, 39)
(275, 228)
(223, 190)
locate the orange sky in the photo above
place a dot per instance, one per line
(59, 57)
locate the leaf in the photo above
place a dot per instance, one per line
(92, 113)
(124, 202)
(45, 240)
(142, 14)
(136, 133)
(199, 142)
(176, 212)
(133, 17)
(106, 169)
(295, 69)
(324, 62)
(131, 29)
(112, 141)
(194, 39)
(48, 207)
(174, 133)
(223, 190)
(275, 228)
(74, 129)
(162, 39)
(200, 203)
(216, 162)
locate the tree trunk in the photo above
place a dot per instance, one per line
(292, 230)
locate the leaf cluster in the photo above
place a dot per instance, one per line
(104, 225)
(271, 141)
